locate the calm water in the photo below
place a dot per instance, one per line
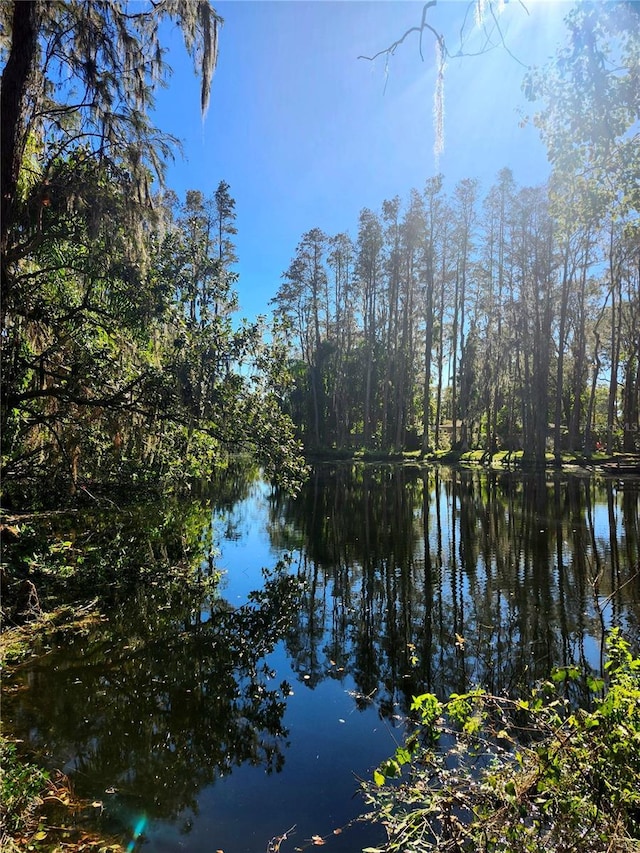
(216, 716)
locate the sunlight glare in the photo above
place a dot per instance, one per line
(137, 832)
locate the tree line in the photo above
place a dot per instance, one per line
(509, 319)
(450, 320)
(461, 320)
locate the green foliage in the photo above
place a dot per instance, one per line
(591, 102)
(121, 359)
(429, 708)
(110, 56)
(127, 372)
(488, 773)
(21, 787)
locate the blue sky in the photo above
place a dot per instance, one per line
(306, 134)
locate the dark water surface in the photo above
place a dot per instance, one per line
(206, 716)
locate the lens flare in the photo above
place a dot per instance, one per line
(137, 832)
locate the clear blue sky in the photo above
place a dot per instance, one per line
(306, 134)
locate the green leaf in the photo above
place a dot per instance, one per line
(390, 768)
(403, 756)
(379, 778)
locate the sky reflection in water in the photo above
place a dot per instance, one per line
(209, 718)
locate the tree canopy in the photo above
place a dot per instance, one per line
(121, 357)
(506, 321)
(590, 102)
(83, 74)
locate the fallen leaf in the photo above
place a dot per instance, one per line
(318, 839)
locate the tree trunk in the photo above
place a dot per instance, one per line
(428, 344)
(14, 86)
(564, 303)
(597, 366)
(616, 300)
(630, 403)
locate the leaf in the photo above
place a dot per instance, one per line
(378, 778)
(403, 756)
(318, 839)
(391, 768)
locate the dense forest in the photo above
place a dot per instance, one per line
(501, 319)
(509, 319)
(122, 360)
(458, 317)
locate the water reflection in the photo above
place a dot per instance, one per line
(402, 580)
(436, 579)
(169, 695)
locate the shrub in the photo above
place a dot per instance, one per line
(491, 774)
(21, 789)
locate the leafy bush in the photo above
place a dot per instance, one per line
(21, 788)
(491, 774)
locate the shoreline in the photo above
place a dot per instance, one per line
(612, 464)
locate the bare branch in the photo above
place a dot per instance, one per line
(460, 52)
(502, 39)
(389, 51)
(443, 52)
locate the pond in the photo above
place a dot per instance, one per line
(221, 704)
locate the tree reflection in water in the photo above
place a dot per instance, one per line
(437, 579)
(402, 580)
(173, 690)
